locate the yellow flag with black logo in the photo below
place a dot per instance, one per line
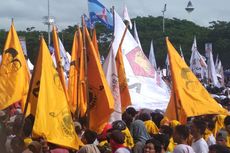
(14, 73)
(53, 119)
(100, 97)
(73, 75)
(189, 97)
(124, 90)
(94, 40)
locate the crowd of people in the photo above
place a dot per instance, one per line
(138, 132)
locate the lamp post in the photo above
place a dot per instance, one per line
(163, 24)
(48, 20)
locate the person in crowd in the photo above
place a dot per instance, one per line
(221, 137)
(35, 147)
(227, 128)
(127, 118)
(164, 140)
(208, 135)
(116, 140)
(88, 138)
(156, 118)
(149, 124)
(167, 130)
(180, 136)
(17, 145)
(3, 131)
(218, 149)
(140, 135)
(132, 111)
(121, 126)
(153, 146)
(198, 127)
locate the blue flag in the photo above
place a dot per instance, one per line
(88, 22)
(98, 13)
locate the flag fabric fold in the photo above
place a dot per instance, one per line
(14, 73)
(152, 58)
(188, 97)
(53, 119)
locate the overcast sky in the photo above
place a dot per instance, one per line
(28, 13)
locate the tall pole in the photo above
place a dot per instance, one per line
(163, 24)
(48, 22)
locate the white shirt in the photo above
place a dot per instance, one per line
(182, 148)
(211, 140)
(200, 146)
(122, 150)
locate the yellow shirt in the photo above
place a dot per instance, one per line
(151, 127)
(171, 145)
(128, 138)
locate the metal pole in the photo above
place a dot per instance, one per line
(163, 21)
(48, 22)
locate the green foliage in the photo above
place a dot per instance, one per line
(180, 32)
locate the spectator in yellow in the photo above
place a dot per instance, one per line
(149, 124)
(121, 126)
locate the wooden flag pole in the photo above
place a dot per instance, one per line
(86, 73)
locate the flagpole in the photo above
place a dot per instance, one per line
(86, 73)
(30, 88)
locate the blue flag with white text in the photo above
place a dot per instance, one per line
(98, 13)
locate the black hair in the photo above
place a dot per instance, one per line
(156, 118)
(144, 117)
(131, 111)
(119, 125)
(117, 136)
(219, 148)
(17, 144)
(127, 118)
(90, 136)
(167, 130)
(200, 124)
(156, 143)
(183, 131)
(163, 139)
(227, 120)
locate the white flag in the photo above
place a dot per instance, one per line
(126, 17)
(211, 65)
(64, 57)
(197, 62)
(141, 76)
(152, 58)
(136, 37)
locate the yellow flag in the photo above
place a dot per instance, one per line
(124, 91)
(100, 97)
(73, 75)
(82, 97)
(14, 73)
(189, 97)
(53, 119)
(58, 60)
(94, 40)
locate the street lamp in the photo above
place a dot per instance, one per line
(48, 20)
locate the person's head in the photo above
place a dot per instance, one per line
(163, 139)
(117, 137)
(156, 118)
(17, 145)
(227, 123)
(144, 117)
(127, 118)
(132, 111)
(103, 135)
(180, 134)
(89, 137)
(210, 124)
(167, 130)
(221, 137)
(198, 128)
(119, 125)
(218, 149)
(152, 146)
(35, 147)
